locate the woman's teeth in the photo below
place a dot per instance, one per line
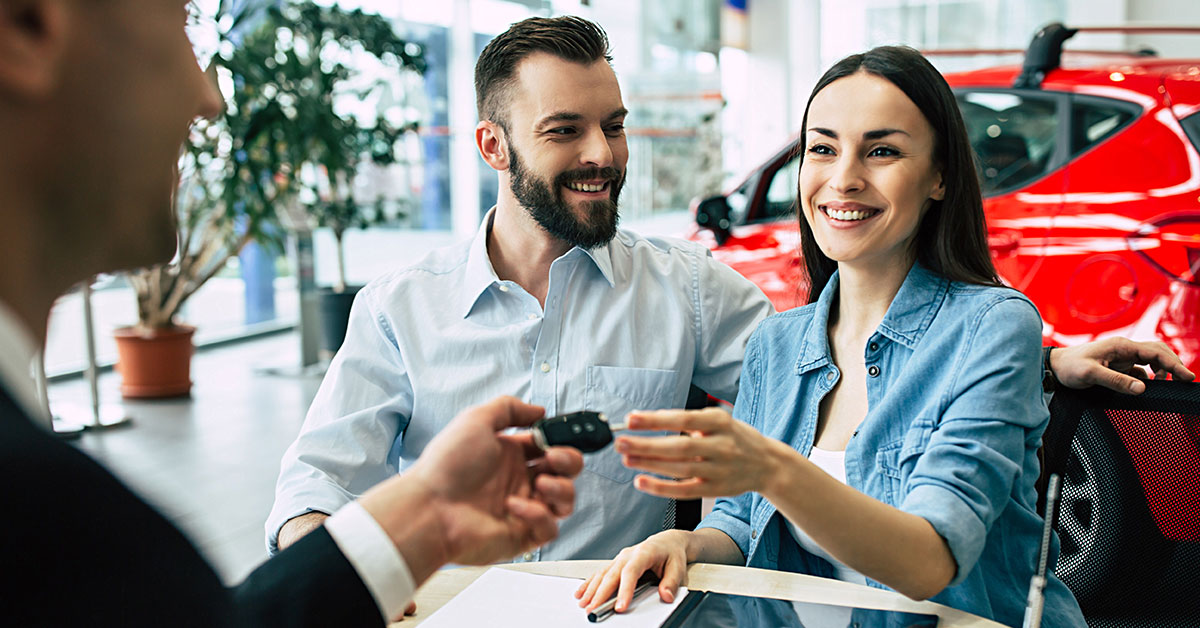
(857, 214)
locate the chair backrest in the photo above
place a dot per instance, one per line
(1129, 511)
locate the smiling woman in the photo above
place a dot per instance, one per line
(886, 433)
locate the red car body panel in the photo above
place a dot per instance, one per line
(1105, 244)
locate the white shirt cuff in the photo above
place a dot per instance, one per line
(374, 557)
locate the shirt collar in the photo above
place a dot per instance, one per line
(18, 351)
(906, 320)
(601, 256)
(481, 275)
(912, 310)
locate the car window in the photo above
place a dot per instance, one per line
(781, 194)
(1094, 120)
(1191, 126)
(1014, 136)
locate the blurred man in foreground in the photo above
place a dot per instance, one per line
(95, 100)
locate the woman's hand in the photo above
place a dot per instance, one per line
(664, 553)
(718, 456)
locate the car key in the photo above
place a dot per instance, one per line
(585, 430)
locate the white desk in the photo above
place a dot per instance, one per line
(447, 583)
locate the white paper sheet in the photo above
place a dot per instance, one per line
(502, 598)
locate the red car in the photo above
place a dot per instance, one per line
(1091, 183)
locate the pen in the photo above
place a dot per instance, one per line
(648, 582)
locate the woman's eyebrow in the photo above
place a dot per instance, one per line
(869, 135)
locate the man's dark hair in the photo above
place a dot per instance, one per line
(568, 37)
(951, 239)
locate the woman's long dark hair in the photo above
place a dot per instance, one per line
(952, 237)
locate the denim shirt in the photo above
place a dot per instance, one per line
(955, 418)
(624, 326)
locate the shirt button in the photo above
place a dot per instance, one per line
(545, 367)
(829, 376)
(874, 346)
(754, 534)
(533, 317)
(503, 288)
(528, 556)
(873, 371)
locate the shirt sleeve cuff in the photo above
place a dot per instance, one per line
(734, 528)
(374, 557)
(954, 520)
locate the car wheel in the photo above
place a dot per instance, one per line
(1107, 535)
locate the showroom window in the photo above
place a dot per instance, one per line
(1014, 136)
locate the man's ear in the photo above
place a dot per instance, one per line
(492, 143)
(33, 37)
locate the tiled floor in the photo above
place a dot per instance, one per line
(209, 462)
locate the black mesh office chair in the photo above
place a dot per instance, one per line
(1129, 511)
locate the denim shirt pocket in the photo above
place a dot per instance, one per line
(897, 459)
(887, 459)
(617, 391)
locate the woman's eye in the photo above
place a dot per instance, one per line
(820, 149)
(883, 151)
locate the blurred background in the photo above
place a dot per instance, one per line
(713, 86)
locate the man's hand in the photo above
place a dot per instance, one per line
(1116, 363)
(475, 495)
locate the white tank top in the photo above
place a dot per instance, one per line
(833, 463)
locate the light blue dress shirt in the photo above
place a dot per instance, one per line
(626, 326)
(954, 421)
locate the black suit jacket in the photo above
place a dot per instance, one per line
(78, 548)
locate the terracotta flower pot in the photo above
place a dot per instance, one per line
(155, 363)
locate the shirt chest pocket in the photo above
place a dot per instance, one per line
(896, 460)
(617, 391)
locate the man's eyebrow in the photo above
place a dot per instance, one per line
(869, 135)
(560, 116)
(571, 116)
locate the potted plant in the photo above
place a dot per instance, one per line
(339, 215)
(284, 71)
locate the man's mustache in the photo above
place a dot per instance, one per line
(589, 174)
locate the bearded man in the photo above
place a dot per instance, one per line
(550, 302)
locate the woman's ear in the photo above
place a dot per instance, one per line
(939, 189)
(33, 40)
(492, 144)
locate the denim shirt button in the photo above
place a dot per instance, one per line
(873, 371)
(874, 346)
(754, 534)
(829, 376)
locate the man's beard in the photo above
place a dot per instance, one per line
(548, 209)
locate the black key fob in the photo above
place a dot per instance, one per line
(585, 430)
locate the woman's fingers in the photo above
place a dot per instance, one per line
(673, 469)
(705, 420)
(674, 571)
(689, 488)
(667, 447)
(607, 587)
(629, 580)
(591, 594)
